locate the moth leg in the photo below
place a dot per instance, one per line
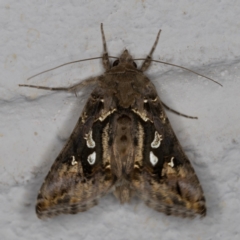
(73, 88)
(105, 59)
(148, 59)
(176, 112)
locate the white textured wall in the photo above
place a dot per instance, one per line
(34, 124)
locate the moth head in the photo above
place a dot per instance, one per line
(125, 58)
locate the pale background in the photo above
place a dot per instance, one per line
(34, 124)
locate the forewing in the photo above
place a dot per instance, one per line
(80, 174)
(164, 178)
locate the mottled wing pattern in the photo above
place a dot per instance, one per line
(164, 178)
(122, 142)
(80, 175)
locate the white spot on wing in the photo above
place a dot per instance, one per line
(157, 140)
(92, 158)
(74, 162)
(171, 163)
(153, 159)
(89, 140)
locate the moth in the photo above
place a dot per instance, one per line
(122, 143)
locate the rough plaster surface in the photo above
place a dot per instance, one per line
(34, 124)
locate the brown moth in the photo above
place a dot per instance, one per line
(122, 143)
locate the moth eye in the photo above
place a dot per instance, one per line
(134, 64)
(115, 63)
(153, 159)
(92, 158)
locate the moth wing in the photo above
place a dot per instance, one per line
(79, 175)
(164, 178)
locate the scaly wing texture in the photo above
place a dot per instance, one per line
(164, 178)
(80, 174)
